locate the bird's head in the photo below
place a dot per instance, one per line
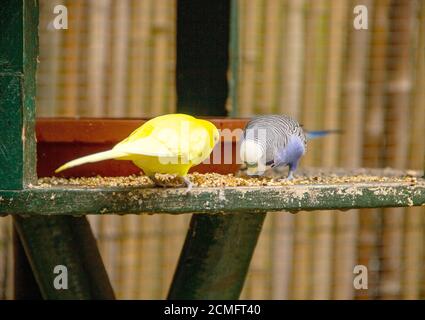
(212, 132)
(215, 135)
(252, 154)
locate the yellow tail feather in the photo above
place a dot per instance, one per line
(105, 155)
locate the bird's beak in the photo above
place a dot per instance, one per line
(251, 171)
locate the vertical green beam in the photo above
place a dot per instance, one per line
(66, 241)
(47, 241)
(18, 61)
(24, 283)
(218, 248)
(216, 256)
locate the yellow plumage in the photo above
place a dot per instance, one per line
(169, 144)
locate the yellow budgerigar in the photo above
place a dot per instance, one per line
(168, 144)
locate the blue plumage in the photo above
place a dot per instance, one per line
(310, 135)
(290, 155)
(274, 141)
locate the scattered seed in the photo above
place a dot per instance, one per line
(304, 177)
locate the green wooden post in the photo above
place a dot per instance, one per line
(24, 283)
(218, 248)
(216, 256)
(18, 60)
(48, 241)
(18, 54)
(64, 241)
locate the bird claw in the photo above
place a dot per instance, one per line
(188, 184)
(185, 182)
(288, 178)
(157, 182)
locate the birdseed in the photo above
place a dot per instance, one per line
(276, 178)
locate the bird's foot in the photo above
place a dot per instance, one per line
(288, 178)
(188, 184)
(184, 182)
(157, 182)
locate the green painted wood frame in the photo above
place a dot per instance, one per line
(79, 201)
(47, 241)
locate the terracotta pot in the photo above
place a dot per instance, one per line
(62, 139)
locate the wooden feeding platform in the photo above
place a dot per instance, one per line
(217, 193)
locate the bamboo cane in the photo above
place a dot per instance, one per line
(119, 48)
(325, 220)
(311, 118)
(292, 56)
(260, 265)
(50, 56)
(370, 221)
(175, 228)
(271, 45)
(71, 53)
(140, 54)
(162, 26)
(289, 103)
(5, 262)
(414, 230)
(251, 13)
(399, 85)
(354, 95)
(98, 35)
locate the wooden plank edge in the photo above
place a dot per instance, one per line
(80, 201)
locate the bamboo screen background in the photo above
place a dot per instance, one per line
(298, 57)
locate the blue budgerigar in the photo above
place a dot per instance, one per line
(274, 141)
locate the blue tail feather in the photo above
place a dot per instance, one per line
(319, 133)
